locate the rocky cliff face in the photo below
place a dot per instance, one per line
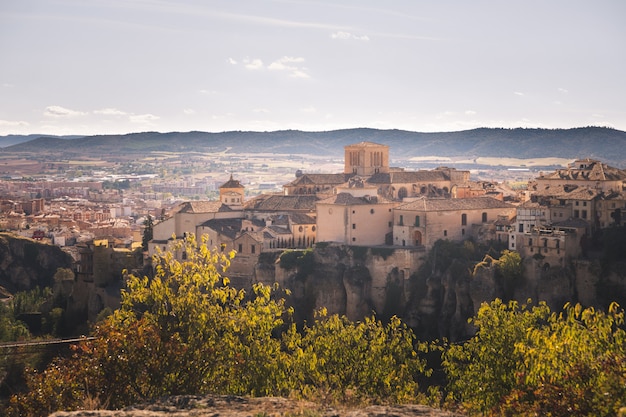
(434, 296)
(25, 263)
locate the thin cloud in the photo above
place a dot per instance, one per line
(349, 36)
(286, 63)
(110, 112)
(254, 64)
(470, 112)
(518, 93)
(58, 111)
(143, 118)
(563, 90)
(11, 123)
(232, 61)
(189, 111)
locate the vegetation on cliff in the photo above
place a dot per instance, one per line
(188, 331)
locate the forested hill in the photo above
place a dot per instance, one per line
(606, 144)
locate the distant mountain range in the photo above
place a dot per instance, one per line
(606, 144)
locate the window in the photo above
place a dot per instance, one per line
(584, 204)
(353, 225)
(558, 244)
(521, 228)
(584, 213)
(463, 232)
(545, 243)
(240, 248)
(371, 211)
(484, 217)
(577, 203)
(390, 224)
(445, 233)
(401, 222)
(463, 219)
(576, 214)
(530, 242)
(417, 221)
(252, 249)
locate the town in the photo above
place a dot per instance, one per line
(369, 204)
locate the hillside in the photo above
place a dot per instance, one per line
(606, 144)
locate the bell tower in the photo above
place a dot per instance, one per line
(366, 158)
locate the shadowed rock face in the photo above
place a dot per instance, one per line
(25, 263)
(435, 302)
(234, 406)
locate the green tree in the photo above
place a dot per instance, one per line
(342, 361)
(185, 331)
(484, 369)
(148, 232)
(575, 366)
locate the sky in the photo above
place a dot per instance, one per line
(86, 67)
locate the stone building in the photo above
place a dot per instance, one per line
(425, 220)
(356, 215)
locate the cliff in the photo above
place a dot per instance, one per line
(434, 293)
(26, 263)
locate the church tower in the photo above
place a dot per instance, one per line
(366, 158)
(232, 192)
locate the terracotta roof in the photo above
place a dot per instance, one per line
(301, 218)
(347, 199)
(203, 207)
(231, 183)
(576, 223)
(568, 192)
(407, 177)
(593, 171)
(322, 179)
(282, 203)
(447, 204)
(230, 227)
(226, 227)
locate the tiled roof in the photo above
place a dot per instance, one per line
(347, 199)
(593, 171)
(230, 227)
(231, 183)
(321, 179)
(575, 222)
(226, 227)
(203, 207)
(282, 202)
(408, 177)
(447, 204)
(568, 192)
(301, 218)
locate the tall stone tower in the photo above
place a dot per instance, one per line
(232, 192)
(366, 158)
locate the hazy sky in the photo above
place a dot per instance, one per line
(118, 66)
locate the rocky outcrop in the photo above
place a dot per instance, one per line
(235, 406)
(435, 297)
(26, 263)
